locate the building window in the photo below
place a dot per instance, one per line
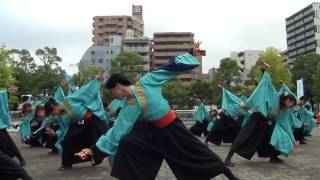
(111, 52)
(99, 42)
(111, 40)
(93, 61)
(107, 51)
(100, 61)
(93, 52)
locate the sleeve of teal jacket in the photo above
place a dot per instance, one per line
(285, 89)
(59, 95)
(25, 128)
(264, 98)
(89, 97)
(231, 104)
(128, 115)
(47, 121)
(201, 113)
(5, 119)
(171, 70)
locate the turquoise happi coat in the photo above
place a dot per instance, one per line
(5, 119)
(201, 113)
(231, 104)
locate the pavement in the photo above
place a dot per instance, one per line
(303, 164)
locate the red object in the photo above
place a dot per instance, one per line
(166, 120)
(87, 115)
(318, 118)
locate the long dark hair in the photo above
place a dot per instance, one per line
(284, 97)
(49, 106)
(38, 108)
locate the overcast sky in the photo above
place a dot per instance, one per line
(223, 26)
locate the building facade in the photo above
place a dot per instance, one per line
(166, 45)
(140, 46)
(246, 60)
(106, 26)
(303, 32)
(102, 56)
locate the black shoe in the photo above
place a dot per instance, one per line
(65, 167)
(276, 160)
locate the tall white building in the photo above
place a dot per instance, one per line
(102, 56)
(303, 32)
(246, 60)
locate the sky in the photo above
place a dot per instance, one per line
(223, 26)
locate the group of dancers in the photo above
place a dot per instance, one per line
(139, 129)
(268, 122)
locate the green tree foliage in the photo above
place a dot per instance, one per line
(201, 90)
(6, 71)
(129, 64)
(228, 76)
(306, 67)
(316, 88)
(24, 70)
(176, 93)
(85, 74)
(278, 70)
(49, 74)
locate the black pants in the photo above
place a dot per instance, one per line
(141, 152)
(255, 137)
(10, 169)
(298, 134)
(225, 129)
(7, 145)
(81, 136)
(200, 128)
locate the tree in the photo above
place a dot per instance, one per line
(201, 90)
(229, 72)
(49, 74)
(24, 68)
(306, 67)
(278, 70)
(176, 93)
(6, 72)
(129, 64)
(85, 74)
(228, 76)
(49, 57)
(316, 88)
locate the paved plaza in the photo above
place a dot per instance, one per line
(304, 164)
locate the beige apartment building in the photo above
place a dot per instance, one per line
(106, 26)
(166, 45)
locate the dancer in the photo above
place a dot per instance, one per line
(201, 118)
(9, 169)
(82, 121)
(268, 130)
(228, 124)
(148, 131)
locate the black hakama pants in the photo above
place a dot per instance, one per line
(141, 152)
(200, 128)
(10, 169)
(81, 136)
(255, 137)
(225, 129)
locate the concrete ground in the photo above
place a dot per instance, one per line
(303, 164)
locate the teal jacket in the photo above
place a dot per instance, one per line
(5, 119)
(201, 113)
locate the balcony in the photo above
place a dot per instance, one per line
(173, 39)
(167, 54)
(137, 49)
(165, 46)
